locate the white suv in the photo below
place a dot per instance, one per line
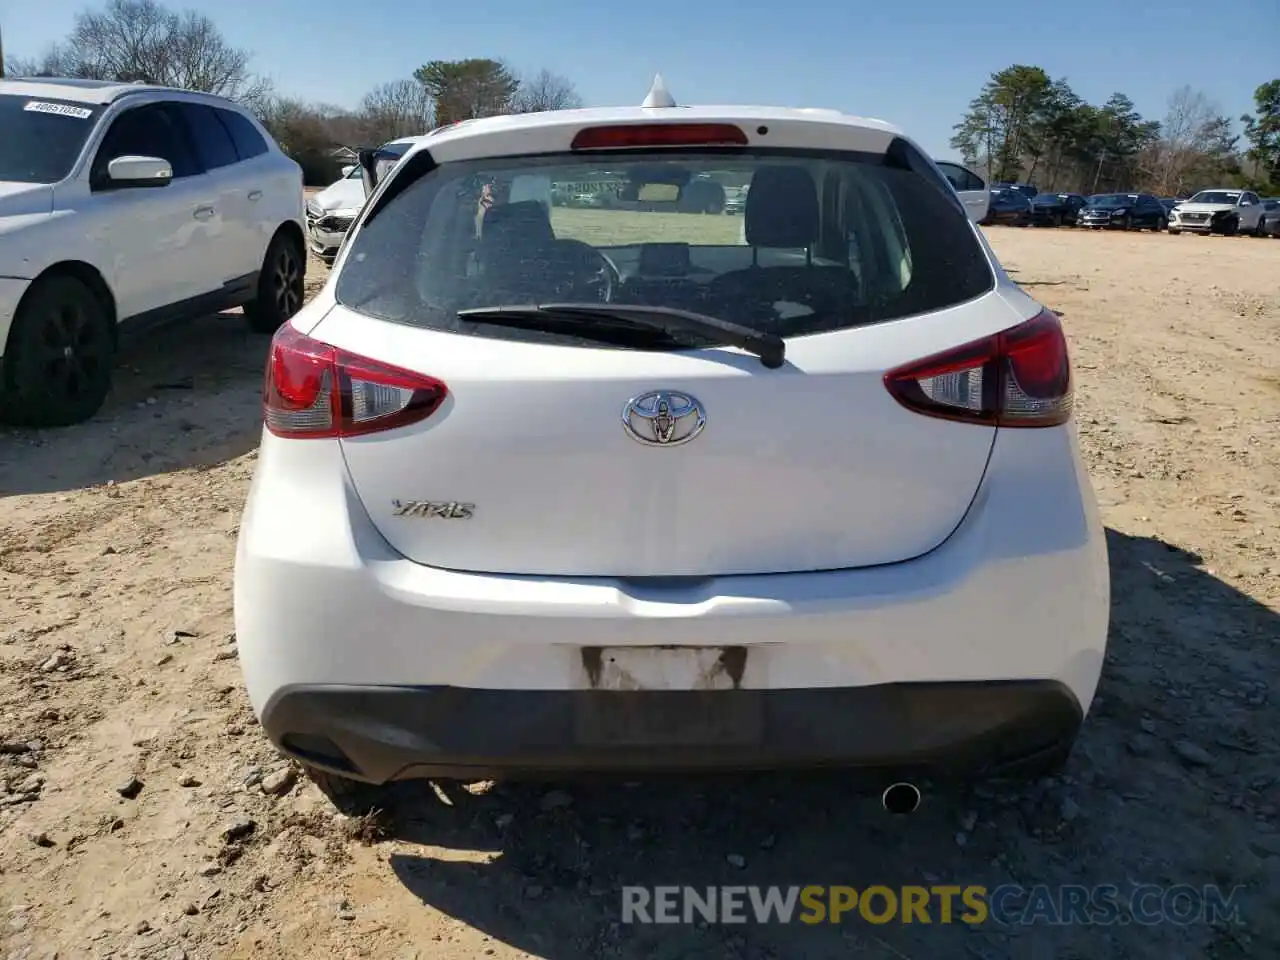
(1219, 211)
(123, 206)
(548, 489)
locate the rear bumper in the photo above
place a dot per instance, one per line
(402, 665)
(936, 730)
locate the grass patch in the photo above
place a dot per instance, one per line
(609, 228)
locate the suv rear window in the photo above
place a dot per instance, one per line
(248, 141)
(826, 241)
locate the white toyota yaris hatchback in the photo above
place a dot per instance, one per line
(547, 488)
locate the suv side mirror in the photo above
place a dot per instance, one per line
(133, 171)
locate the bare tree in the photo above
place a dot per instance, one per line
(132, 40)
(1183, 131)
(545, 91)
(402, 108)
(46, 66)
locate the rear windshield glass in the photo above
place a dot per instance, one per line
(823, 242)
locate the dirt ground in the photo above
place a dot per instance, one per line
(142, 814)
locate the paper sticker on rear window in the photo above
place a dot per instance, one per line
(61, 109)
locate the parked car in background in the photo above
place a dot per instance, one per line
(1219, 211)
(1169, 203)
(1056, 209)
(331, 211)
(1008, 207)
(123, 206)
(1269, 225)
(1028, 190)
(735, 199)
(424, 586)
(1123, 211)
(970, 188)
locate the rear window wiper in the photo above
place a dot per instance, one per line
(769, 347)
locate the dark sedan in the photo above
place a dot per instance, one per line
(1056, 209)
(1028, 190)
(1009, 207)
(1124, 211)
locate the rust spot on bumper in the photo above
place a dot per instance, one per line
(593, 664)
(731, 662)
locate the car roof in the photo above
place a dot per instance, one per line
(94, 92)
(522, 133)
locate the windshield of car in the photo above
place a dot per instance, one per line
(41, 139)
(1113, 201)
(828, 241)
(1216, 196)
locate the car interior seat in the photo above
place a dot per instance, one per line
(783, 213)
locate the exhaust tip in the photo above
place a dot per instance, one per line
(901, 798)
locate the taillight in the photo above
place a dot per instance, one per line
(315, 390)
(1020, 377)
(659, 135)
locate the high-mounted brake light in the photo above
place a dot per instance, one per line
(1020, 377)
(313, 390)
(623, 136)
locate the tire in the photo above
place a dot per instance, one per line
(1173, 232)
(280, 285)
(1230, 228)
(1161, 225)
(351, 797)
(56, 369)
(1260, 230)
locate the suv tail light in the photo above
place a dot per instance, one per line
(314, 390)
(1020, 377)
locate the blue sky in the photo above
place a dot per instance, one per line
(916, 63)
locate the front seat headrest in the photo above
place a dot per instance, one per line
(525, 220)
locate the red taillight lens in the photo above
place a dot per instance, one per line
(315, 390)
(1020, 377)
(659, 135)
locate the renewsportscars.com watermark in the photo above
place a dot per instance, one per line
(1063, 905)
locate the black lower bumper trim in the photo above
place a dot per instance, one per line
(382, 733)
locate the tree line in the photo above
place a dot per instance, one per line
(1025, 126)
(130, 40)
